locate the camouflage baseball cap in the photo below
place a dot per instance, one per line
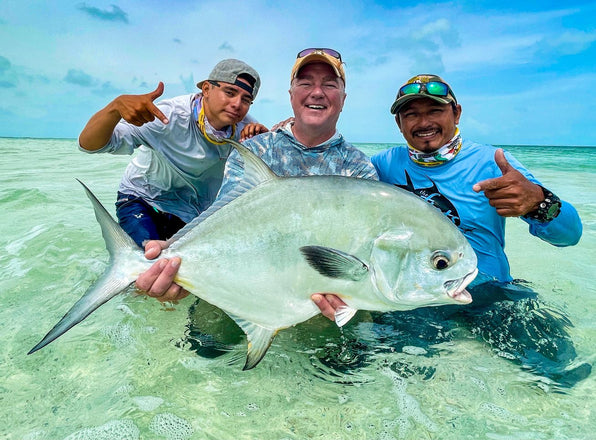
(423, 86)
(229, 70)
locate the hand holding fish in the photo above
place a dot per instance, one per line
(158, 281)
(511, 194)
(328, 303)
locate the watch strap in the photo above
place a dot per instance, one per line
(548, 209)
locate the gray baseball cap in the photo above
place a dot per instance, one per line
(229, 70)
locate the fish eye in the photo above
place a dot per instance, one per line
(440, 260)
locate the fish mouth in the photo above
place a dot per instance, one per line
(456, 289)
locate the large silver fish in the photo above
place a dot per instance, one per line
(259, 253)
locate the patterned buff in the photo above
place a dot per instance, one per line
(208, 131)
(438, 157)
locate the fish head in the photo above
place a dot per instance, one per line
(411, 270)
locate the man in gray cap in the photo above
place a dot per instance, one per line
(179, 165)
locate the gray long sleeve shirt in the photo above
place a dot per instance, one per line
(176, 169)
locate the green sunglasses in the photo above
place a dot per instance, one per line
(434, 88)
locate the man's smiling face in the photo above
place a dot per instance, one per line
(317, 96)
(428, 125)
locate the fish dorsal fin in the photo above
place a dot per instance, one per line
(259, 340)
(334, 263)
(255, 172)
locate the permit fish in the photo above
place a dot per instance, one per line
(259, 252)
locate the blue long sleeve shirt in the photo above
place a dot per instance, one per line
(449, 187)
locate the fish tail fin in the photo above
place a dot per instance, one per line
(125, 255)
(101, 292)
(114, 236)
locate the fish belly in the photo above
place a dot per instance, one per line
(246, 257)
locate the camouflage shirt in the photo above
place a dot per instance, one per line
(288, 157)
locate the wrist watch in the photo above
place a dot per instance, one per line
(548, 209)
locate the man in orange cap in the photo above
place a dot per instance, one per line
(309, 144)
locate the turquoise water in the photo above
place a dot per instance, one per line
(124, 373)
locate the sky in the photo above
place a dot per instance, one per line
(524, 71)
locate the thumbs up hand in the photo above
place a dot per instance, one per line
(511, 194)
(139, 109)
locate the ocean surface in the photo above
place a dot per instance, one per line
(128, 371)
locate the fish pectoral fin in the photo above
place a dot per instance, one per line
(259, 341)
(334, 263)
(343, 314)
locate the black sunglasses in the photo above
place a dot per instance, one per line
(330, 52)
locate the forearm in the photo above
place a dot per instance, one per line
(134, 109)
(99, 129)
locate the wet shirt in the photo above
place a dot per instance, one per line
(287, 157)
(449, 187)
(176, 169)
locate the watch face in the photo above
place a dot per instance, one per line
(553, 210)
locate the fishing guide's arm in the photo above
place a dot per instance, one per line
(135, 109)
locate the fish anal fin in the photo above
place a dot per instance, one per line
(259, 341)
(343, 314)
(334, 263)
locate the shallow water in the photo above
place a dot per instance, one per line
(126, 372)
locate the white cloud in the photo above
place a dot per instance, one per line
(571, 42)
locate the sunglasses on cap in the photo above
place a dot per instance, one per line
(434, 88)
(330, 52)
